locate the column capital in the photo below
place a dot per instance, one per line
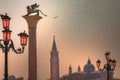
(32, 20)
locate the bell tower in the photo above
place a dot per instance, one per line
(70, 70)
(54, 62)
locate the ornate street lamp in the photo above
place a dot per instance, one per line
(109, 66)
(6, 34)
(23, 38)
(107, 55)
(98, 63)
(5, 20)
(6, 43)
(114, 63)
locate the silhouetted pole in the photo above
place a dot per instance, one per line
(32, 56)
(108, 72)
(109, 66)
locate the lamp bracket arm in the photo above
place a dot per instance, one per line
(1, 45)
(103, 68)
(17, 51)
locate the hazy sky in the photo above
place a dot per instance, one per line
(83, 29)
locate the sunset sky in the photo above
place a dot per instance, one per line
(84, 29)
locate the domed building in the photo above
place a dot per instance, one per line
(88, 73)
(89, 67)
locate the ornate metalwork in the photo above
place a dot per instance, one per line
(10, 45)
(6, 43)
(33, 9)
(109, 67)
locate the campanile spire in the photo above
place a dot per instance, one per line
(54, 62)
(54, 47)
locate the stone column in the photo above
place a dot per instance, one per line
(32, 46)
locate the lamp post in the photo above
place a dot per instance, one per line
(7, 43)
(110, 64)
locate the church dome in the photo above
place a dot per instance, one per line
(89, 67)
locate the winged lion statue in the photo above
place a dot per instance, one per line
(33, 9)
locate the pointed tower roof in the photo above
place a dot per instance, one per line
(70, 67)
(79, 68)
(89, 61)
(54, 47)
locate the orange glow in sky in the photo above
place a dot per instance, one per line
(84, 29)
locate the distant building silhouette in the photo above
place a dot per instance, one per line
(20, 78)
(88, 73)
(12, 77)
(54, 62)
(116, 79)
